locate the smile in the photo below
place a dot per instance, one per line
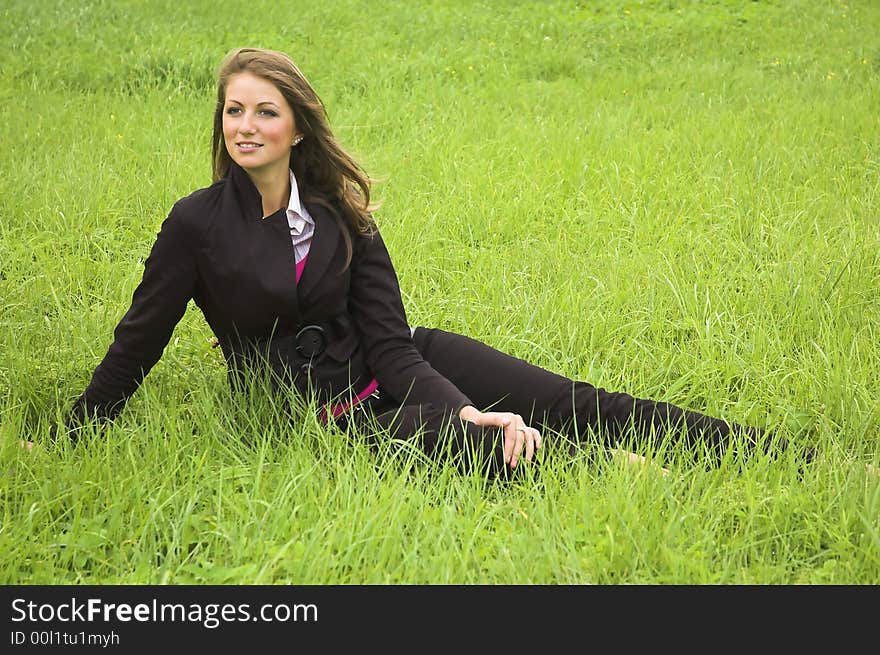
(248, 145)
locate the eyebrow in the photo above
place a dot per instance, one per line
(263, 102)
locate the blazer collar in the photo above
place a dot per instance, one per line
(249, 198)
(324, 244)
(325, 239)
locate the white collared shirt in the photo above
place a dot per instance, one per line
(302, 225)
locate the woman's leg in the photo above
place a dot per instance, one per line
(492, 379)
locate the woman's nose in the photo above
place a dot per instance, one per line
(246, 125)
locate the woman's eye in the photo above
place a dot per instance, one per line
(269, 112)
(232, 110)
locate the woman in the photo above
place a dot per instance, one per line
(283, 257)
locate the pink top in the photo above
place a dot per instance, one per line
(300, 265)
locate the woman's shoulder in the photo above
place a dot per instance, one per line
(196, 203)
(193, 215)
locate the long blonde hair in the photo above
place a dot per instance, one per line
(320, 163)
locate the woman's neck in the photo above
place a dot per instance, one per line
(274, 191)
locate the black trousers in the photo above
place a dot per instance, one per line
(577, 411)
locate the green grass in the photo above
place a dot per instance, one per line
(674, 199)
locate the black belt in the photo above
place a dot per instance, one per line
(309, 341)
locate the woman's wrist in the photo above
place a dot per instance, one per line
(468, 413)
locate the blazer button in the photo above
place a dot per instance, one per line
(311, 341)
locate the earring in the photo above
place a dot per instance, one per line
(296, 140)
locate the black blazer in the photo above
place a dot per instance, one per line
(239, 268)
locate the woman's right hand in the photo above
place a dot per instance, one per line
(517, 435)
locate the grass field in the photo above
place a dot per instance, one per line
(675, 199)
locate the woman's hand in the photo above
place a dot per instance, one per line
(517, 435)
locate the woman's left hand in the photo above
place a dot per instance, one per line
(517, 435)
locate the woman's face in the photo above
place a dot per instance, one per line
(258, 125)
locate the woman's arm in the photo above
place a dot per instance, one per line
(377, 308)
(157, 305)
(399, 368)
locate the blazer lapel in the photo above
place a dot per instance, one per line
(248, 197)
(324, 244)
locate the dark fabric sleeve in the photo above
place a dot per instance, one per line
(377, 308)
(157, 305)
